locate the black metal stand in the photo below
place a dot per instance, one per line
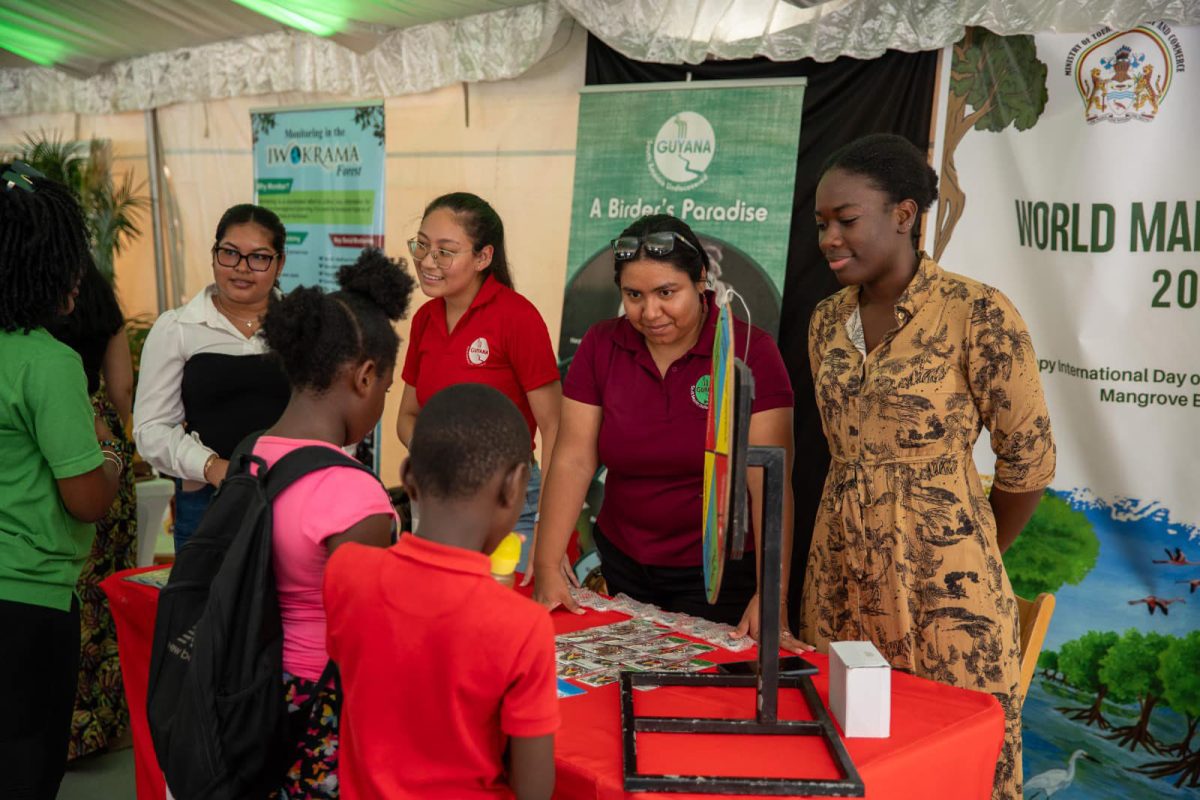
(767, 682)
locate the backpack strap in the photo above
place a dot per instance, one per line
(305, 460)
(298, 721)
(243, 454)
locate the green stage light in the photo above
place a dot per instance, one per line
(17, 38)
(315, 21)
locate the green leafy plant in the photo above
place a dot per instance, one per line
(110, 207)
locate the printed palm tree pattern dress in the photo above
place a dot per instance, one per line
(100, 714)
(904, 550)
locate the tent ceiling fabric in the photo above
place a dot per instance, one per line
(489, 46)
(689, 31)
(88, 36)
(151, 53)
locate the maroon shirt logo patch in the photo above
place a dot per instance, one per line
(700, 391)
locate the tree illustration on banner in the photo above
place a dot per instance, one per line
(1181, 692)
(1079, 661)
(995, 81)
(1059, 546)
(370, 118)
(1048, 663)
(1130, 671)
(261, 123)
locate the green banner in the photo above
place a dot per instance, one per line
(328, 207)
(721, 156)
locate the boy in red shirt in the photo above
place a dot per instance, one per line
(444, 671)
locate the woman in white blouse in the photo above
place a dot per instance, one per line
(205, 380)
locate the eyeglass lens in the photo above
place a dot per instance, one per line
(441, 257)
(259, 262)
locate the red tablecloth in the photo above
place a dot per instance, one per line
(944, 741)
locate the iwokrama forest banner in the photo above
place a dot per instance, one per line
(1070, 182)
(321, 169)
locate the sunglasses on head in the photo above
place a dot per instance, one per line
(657, 245)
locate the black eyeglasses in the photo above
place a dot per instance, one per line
(657, 245)
(230, 258)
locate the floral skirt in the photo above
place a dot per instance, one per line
(100, 714)
(313, 773)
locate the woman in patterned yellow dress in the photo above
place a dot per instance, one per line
(96, 331)
(909, 363)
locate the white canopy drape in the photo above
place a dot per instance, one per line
(504, 43)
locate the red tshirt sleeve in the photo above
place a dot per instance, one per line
(529, 348)
(582, 384)
(530, 707)
(339, 572)
(412, 356)
(772, 387)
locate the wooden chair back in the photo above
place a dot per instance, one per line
(1034, 621)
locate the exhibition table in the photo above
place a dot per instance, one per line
(944, 741)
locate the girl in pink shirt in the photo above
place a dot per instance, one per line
(338, 351)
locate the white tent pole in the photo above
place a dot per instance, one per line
(152, 153)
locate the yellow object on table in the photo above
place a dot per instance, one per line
(505, 558)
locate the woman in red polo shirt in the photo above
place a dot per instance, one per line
(634, 401)
(477, 329)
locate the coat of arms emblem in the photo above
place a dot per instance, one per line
(1126, 76)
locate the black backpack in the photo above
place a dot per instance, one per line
(215, 702)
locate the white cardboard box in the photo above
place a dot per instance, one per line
(860, 689)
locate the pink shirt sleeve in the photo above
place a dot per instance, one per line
(336, 500)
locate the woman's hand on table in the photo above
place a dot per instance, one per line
(749, 627)
(564, 568)
(551, 590)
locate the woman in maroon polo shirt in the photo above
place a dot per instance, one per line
(635, 401)
(477, 329)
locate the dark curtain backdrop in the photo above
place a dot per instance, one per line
(845, 99)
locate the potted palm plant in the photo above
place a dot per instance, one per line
(110, 208)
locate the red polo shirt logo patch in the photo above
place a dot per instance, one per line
(478, 352)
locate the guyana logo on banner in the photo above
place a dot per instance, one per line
(1068, 182)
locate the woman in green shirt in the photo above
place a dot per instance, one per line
(59, 473)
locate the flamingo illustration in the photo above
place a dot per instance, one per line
(1159, 603)
(1176, 559)
(1192, 584)
(1051, 781)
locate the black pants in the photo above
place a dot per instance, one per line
(678, 589)
(39, 671)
